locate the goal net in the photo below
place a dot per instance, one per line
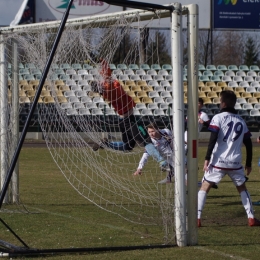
(82, 127)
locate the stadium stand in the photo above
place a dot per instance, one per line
(122, 66)
(211, 67)
(232, 67)
(145, 67)
(254, 68)
(215, 78)
(133, 66)
(243, 67)
(167, 67)
(156, 67)
(149, 85)
(219, 73)
(251, 73)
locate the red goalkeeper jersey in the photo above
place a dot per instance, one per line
(114, 92)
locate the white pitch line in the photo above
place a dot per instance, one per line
(76, 219)
(220, 253)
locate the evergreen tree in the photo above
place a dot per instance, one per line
(157, 51)
(251, 53)
(65, 5)
(228, 48)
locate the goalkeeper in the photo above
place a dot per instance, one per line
(132, 132)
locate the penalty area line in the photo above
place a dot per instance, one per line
(78, 219)
(220, 253)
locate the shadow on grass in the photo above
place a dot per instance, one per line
(222, 196)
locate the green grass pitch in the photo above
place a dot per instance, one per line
(59, 218)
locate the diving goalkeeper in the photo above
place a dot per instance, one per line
(132, 131)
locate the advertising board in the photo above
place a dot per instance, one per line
(50, 10)
(236, 14)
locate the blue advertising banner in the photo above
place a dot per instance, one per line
(236, 14)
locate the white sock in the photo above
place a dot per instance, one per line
(202, 195)
(247, 203)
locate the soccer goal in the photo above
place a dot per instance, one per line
(74, 117)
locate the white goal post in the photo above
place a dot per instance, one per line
(185, 215)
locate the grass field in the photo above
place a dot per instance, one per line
(59, 218)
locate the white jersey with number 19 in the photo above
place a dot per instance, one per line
(231, 129)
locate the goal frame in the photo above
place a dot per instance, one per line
(186, 229)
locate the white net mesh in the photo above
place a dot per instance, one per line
(75, 117)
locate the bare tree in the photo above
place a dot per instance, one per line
(229, 48)
(225, 47)
(158, 48)
(204, 47)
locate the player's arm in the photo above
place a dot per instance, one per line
(249, 154)
(204, 119)
(142, 163)
(212, 141)
(206, 123)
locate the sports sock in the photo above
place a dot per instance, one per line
(202, 195)
(247, 203)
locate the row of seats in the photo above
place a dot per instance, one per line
(201, 67)
(236, 79)
(145, 72)
(225, 68)
(210, 95)
(231, 73)
(156, 85)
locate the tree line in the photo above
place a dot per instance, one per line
(217, 47)
(228, 47)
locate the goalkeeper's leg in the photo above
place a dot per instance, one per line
(128, 141)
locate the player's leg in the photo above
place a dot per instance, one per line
(128, 132)
(239, 180)
(211, 177)
(170, 176)
(202, 196)
(119, 146)
(128, 141)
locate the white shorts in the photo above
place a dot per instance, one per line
(215, 175)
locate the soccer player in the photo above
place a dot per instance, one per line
(203, 119)
(228, 132)
(162, 140)
(132, 131)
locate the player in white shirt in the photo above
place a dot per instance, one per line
(203, 119)
(162, 140)
(228, 132)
